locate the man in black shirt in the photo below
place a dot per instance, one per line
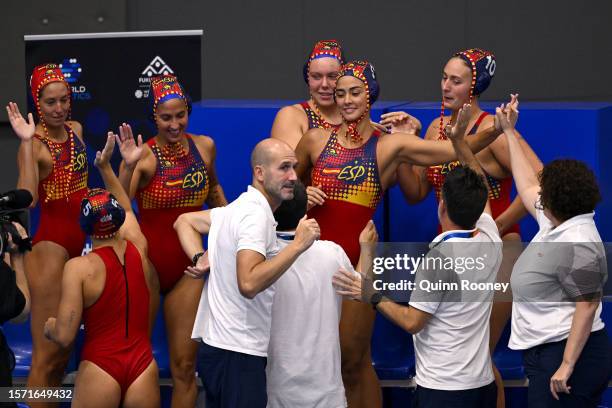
(14, 299)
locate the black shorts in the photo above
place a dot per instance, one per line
(232, 379)
(483, 397)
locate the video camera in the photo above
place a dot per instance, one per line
(13, 208)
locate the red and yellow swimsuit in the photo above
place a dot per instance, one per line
(179, 185)
(117, 324)
(61, 192)
(314, 120)
(500, 190)
(350, 179)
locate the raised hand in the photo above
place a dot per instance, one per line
(401, 122)
(130, 151)
(507, 115)
(22, 128)
(369, 235)
(512, 109)
(457, 131)
(103, 157)
(306, 233)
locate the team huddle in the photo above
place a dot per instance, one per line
(278, 308)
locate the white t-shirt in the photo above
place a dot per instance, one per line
(225, 318)
(304, 368)
(558, 265)
(452, 350)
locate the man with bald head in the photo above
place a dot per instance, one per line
(234, 315)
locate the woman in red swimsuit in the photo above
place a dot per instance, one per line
(465, 77)
(173, 173)
(320, 111)
(353, 165)
(111, 288)
(53, 167)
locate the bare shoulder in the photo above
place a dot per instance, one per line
(78, 266)
(292, 110)
(291, 115)
(487, 121)
(148, 158)
(315, 137)
(76, 127)
(433, 130)
(203, 142)
(317, 134)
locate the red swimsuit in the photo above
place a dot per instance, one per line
(179, 185)
(116, 325)
(350, 179)
(61, 192)
(500, 193)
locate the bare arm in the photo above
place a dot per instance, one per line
(302, 153)
(152, 281)
(28, 170)
(525, 177)
(367, 240)
(255, 273)
(190, 227)
(408, 318)
(415, 186)
(410, 182)
(216, 196)
(516, 210)
(63, 329)
(582, 323)
(414, 150)
(288, 125)
(466, 157)
(360, 288)
(26, 160)
(131, 152)
(130, 229)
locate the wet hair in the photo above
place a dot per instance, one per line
(290, 212)
(568, 188)
(465, 194)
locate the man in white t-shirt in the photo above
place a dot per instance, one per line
(450, 323)
(304, 368)
(234, 315)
